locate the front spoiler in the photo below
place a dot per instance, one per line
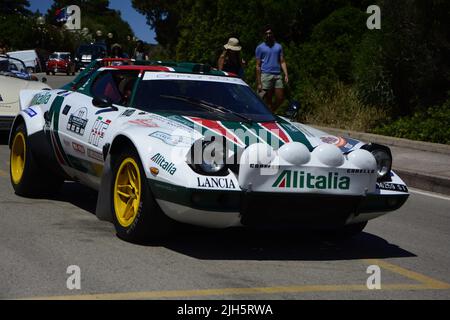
(269, 208)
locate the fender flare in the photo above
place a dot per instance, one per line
(103, 210)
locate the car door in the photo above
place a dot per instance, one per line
(83, 126)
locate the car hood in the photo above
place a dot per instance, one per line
(11, 86)
(181, 130)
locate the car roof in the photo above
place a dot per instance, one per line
(176, 67)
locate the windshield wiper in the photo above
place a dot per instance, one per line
(207, 105)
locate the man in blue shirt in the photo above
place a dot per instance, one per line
(269, 64)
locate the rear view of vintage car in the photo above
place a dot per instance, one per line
(60, 62)
(181, 142)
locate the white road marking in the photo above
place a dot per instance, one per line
(429, 194)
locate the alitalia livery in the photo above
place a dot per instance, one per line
(170, 143)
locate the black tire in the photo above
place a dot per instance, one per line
(33, 181)
(149, 222)
(346, 232)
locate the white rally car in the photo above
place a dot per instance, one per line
(13, 78)
(187, 143)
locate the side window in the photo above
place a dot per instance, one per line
(116, 86)
(105, 87)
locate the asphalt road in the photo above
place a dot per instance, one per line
(55, 81)
(41, 238)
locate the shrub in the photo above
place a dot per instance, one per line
(341, 108)
(431, 125)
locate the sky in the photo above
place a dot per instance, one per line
(136, 20)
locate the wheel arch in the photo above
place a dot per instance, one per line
(17, 121)
(103, 209)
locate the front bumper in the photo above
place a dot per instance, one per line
(202, 207)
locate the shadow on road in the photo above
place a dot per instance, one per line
(4, 138)
(252, 244)
(248, 244)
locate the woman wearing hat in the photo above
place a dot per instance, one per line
(230, 59)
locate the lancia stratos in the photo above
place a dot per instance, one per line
(168, 144)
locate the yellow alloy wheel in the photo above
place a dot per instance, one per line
(127, 192)
(18, 152)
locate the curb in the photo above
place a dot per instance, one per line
(414, 179)
(425, 181)
(392, 141)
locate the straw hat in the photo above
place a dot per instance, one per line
(233, 44)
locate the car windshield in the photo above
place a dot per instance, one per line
(62, 56)
(11, 65)
(209, 99)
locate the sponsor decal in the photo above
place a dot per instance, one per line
(154, 171)
(165, 165)
(345, 144)
(148, 76)
(66, 110)
(98, 131)
(337, 141)
(78, 148)
(215, 182)
(94, 155)
(128, 113)
(30, 112)
(360, 171)
(77, 121)
(261, 166)
(392, 186)
(306, 180)
(173, 140)
(144, 123)
(41, 98)
(174, 122)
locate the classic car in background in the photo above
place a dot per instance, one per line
(86, 53)
(60, 62)
(14, 78)
(181, 142)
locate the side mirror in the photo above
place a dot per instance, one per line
(101, 102)
(292, 110)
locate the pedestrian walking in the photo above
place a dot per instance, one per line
(269, 64)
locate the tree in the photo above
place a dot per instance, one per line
(9, 7)
(408, 58)
(96, 15)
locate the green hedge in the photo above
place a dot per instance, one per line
(432, 125)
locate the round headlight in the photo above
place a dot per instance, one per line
(212, 167)
(384, 162)
(213, 160)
